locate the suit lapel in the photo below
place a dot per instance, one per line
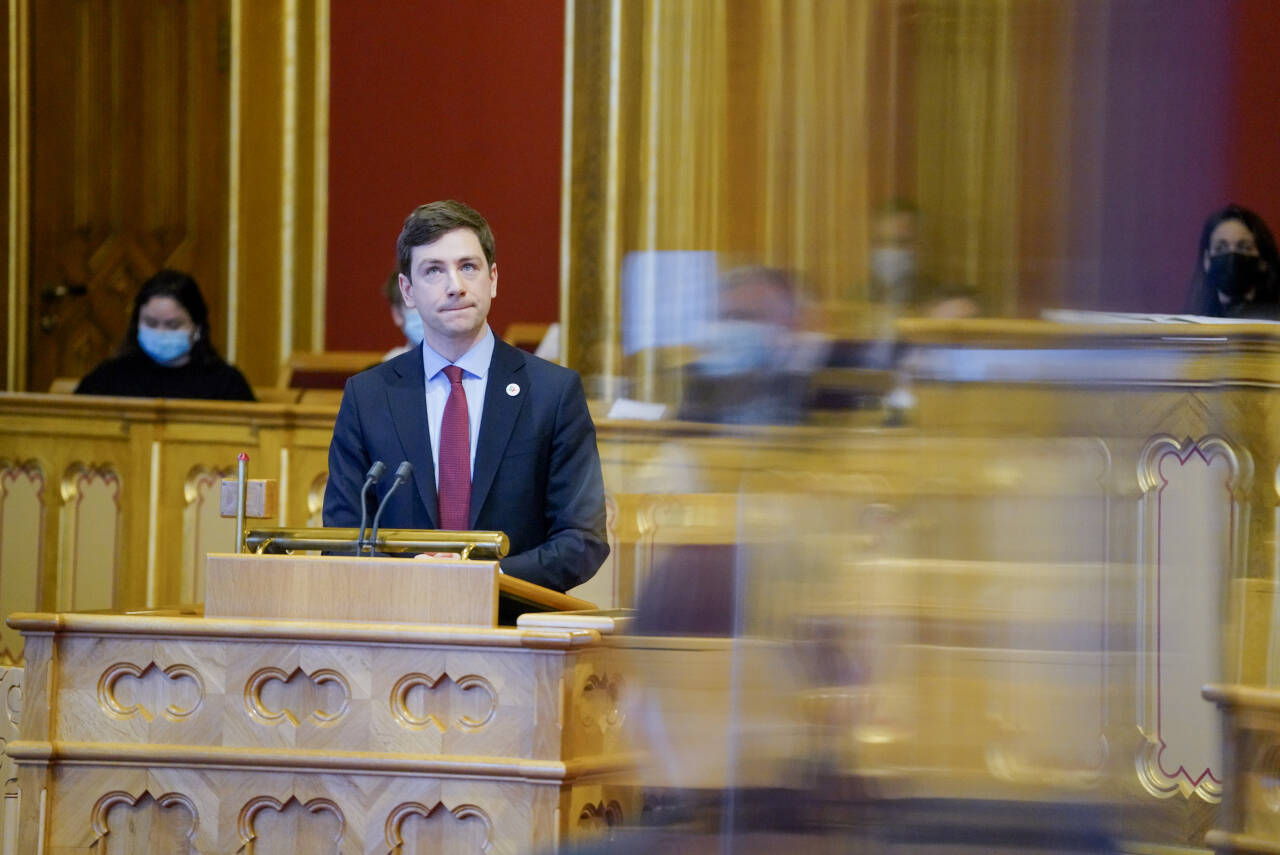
(407, 401)
(499, 418)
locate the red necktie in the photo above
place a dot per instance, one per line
(454, 486)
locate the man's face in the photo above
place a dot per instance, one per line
(450, 285)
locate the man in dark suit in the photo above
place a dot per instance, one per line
(534, 469)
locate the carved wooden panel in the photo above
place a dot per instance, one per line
(126, 690)
(315, 499)
(600, 818)
(1191, 541)
(415, 829)
(319, 698)
(419, 701)
(129, 123)
(268, 827)
(22, 516)
(11, 686)
(125, 825)
(89, 534)
(204, 529)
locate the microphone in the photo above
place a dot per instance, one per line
(403, 473)
(371, 478)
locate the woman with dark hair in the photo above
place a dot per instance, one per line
(1237, 273)
(167, 352)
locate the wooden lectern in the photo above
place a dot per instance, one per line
(320, 704)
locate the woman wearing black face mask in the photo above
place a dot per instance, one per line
(1237, 272)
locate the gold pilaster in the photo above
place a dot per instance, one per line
(320, 173)
(280, 81)
(17, 202)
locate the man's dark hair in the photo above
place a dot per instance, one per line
(182, 288)
(429, 222)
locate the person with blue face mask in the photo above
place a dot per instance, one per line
(755, 363)
(409, 323)
(166, 351)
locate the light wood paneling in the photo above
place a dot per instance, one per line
(190, 135)
(23, 487)
(278, 210)
(128, 106)
(152, 452)
(16, 182)
(347, 588)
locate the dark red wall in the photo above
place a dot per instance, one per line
(1179, 120)
(1254, 156)
(436, 100)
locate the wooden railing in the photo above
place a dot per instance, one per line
(1107, 496)
(113, 503)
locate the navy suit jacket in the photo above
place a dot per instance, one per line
(536, 474)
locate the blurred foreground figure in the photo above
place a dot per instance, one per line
(896, 280)
(901, 652)
(167, 352)
(1237, 272)
(755, 362)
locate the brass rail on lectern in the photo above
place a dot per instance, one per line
(476, 545)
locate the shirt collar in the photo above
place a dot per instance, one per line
(475, 361)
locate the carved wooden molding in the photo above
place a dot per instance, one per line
(401, 813)
(324, 760)
(1009, 764)
(600, 817)
(321, 716)
(436, 687)
(342, 632)
(11, 686)
(203, 528)
(102, 808)
(1266, 767)
(601, 702)
(151, 685)
(21, 557)
(1161, 768)
(76, 559)
(245, 823)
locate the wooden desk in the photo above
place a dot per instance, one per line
(169, 732)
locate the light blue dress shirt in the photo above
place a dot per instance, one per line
(475, 379)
